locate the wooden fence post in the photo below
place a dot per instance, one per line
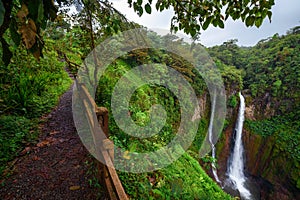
(108, 172)
(102, 116)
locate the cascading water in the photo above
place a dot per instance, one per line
(236, 168)
(210, 133)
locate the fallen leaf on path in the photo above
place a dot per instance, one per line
(54, 132)
(61, 140)
(45, 142)
(152, 180)
(74, 187)
(77, 166)
(35, 158)
(26, 150)
(62, 161)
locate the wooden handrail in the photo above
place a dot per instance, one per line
(109, 175)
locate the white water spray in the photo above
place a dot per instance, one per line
(210, 134)
(236, 169)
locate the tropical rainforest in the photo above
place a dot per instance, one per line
(43, 46)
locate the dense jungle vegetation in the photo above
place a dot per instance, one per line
(39, 83)
(271, 76)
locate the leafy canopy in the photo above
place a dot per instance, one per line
(26, 18)
(195, 15)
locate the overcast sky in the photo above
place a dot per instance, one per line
(286, 15)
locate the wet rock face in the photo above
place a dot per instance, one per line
(272, 169)
(203, 104)
(265, 106)
(223, 150)
(249, 112)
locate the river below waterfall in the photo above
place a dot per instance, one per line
(250, 184)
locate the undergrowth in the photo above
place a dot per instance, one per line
(184, 178)
(29, 89)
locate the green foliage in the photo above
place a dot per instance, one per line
(284, 128)
(92, 175)
(264, 128)
(229, 53)
(192, 16)
(270, 72)
(183, 179)
(2, 11)
(232, 101)
(273, 67)
(270, 69)
(28, 17)
(228, 58)
(28, 89)
(202, 131)
(16, 131)
(141, 101)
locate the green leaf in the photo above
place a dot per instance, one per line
(14, 32)
(258, 22)
(140, 2)
(269, 13)
(193, 32)
(220, 23)
(33, 7)
(157, 191)
(135, 6)
(6, 53)
(235, 15)
(2, 12)
(206, 23)
(250, 20)
(215, 22)
(40, 12)
(140, 11)
(157, 5)
(148, 8)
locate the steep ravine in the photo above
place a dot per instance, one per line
(270, 169)
(264, 164)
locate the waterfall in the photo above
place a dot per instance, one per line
(210, 134)
(236, 168)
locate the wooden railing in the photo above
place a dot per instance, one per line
(107, 175)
